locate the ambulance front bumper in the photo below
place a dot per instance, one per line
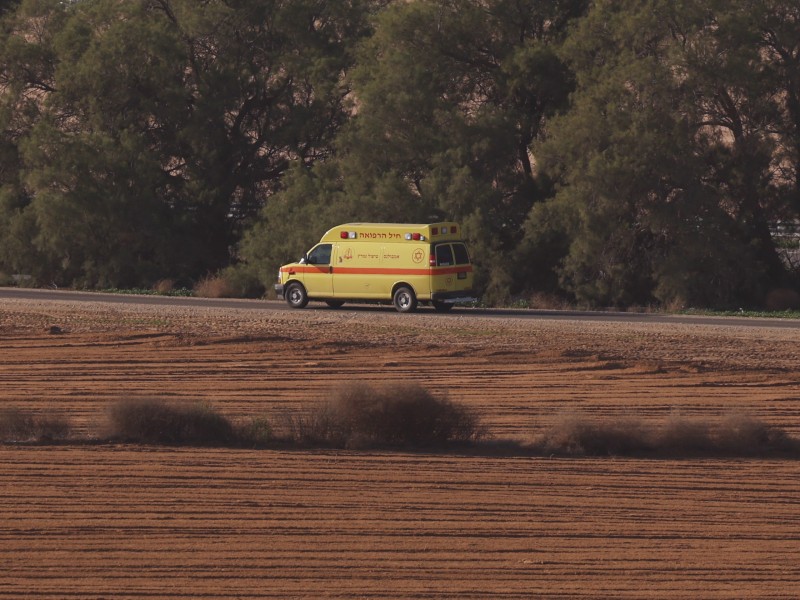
(459, 297)
(279, 290)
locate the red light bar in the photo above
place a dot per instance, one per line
(415, 236)
(453, 229)
(434, 231)
(343, 235)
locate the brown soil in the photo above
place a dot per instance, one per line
(118, 521)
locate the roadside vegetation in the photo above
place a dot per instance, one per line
(405, 417)
(759, 314)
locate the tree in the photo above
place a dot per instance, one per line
(776, 27)
(450, 96)
(664, 161)
(26, 78)
(162, 126)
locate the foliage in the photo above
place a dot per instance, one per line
(606, 153)
(449, 98)
(666, 160)
(143, 135)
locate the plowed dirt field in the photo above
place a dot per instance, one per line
(98, 520)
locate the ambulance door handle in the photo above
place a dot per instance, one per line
(330, 269)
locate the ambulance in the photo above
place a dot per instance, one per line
(405, 265)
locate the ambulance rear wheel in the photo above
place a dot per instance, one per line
(441, 306)
(334, 303)
(296, 296)
(404, 300)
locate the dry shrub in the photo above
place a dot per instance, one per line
(215, 286)
(682, 435)
(19, 426)
(578, 435)
(547, 301)
(741, 435)
(257, 431)
(164, 286)
(782, 299)
(156, 422)
(678, 436)
(404, 415)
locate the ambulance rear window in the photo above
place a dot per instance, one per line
(444, 255)
(462, 256)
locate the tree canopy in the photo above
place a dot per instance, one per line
(609, 152)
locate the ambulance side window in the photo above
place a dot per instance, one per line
(444, 255)
(462, 256)
(320, 255)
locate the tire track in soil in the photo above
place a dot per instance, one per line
(79, 377)
(117, 521)
(122, 522)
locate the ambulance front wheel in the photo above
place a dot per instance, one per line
(404, 300)
(296, 296)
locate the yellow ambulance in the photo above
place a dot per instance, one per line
(385, 262)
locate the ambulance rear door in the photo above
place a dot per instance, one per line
(453, 269)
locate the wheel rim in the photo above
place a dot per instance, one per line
(404, 300)
(295, 296)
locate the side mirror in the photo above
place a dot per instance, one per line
(304, 259)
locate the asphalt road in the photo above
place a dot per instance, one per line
(624, 317)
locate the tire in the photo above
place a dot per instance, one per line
(442, 307)
(334, 303)
(296, 296)
(404, 300)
